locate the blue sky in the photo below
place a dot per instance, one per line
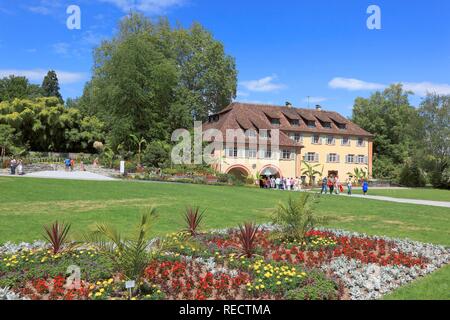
(285, 50)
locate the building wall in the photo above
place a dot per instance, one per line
(342, 167)
(293, 167)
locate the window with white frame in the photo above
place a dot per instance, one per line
(350, 158)
(345, 141)
(361, 159)
(286, 154)
(232, 152)
(331, 141)
(297, 137)
(316, 139)
(250, 133)
(264, 134)
(311, 157)
(250, 153)
(361, 142)
(333, 158)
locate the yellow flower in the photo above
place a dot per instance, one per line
(98, 294)
(279, 283)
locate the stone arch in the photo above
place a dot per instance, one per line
(239, 171)
(272, 170)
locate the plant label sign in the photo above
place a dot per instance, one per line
(122, 167)
(130, 284)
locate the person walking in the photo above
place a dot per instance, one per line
(72, 165)
(349, 187)
(20, 168)
(331, 184)
(324, 185)
(365, 187)
(277, 183)
(67, 164)
(337, 185)
(13, 165)
(288, 184)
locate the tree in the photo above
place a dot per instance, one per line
(6, 139)
(412, 175)
(43, 124)
(151, 79)
(390, 117)
(13, 87)
(434, 114)
(50, 86)
(311, 172)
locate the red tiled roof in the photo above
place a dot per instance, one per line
(256, 116)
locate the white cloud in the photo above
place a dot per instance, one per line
(422, 88)
(242, 94)
(354, 84)
(263, 85)
(146, 6)
(40, 10)
(419, 88)
(37, 75)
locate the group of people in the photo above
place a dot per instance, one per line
(332, 184)
(16, 166)
(287, 184)
(70, 165)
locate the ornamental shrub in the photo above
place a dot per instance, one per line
(316, 287)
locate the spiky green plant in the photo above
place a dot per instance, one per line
(129, 255)
(297, 217)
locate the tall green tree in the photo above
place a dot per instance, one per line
(434, 115)
(14, 87)
(151, 79)
(393, 120)
(50, 86)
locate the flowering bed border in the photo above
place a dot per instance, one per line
(358, 262)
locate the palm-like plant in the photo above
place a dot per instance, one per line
(247, 238)
(129, 255)
(56, 235)
(139, 142)
(358, 175)
(297, 217)
(311, 171)
(193, 218)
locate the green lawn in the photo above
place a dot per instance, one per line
(27, 204)
(419, 193)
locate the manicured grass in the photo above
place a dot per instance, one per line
(419, 193)
(434, 287)
(27, 204)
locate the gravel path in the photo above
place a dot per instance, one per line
(76, 175)
(399, 200)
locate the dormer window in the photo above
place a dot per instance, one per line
(295, 123)
(275, 121)
(326, 125)
(311, 124)
(342, 126)
(214, 118)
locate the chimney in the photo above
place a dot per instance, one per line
(288, 104)
(318, 107)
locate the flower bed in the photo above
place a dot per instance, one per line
(329, 264)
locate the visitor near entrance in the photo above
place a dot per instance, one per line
(365, 187)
